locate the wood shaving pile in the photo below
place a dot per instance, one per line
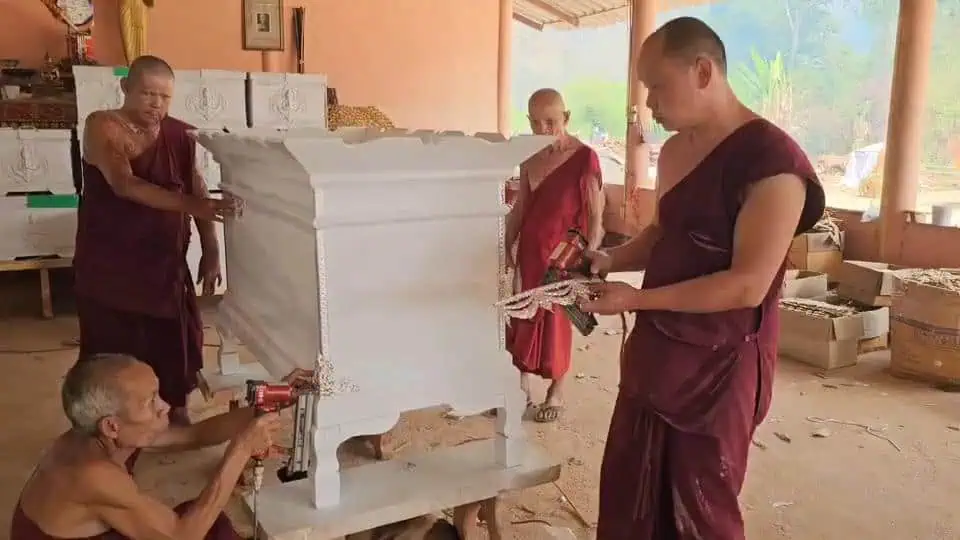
(830, 225)
(817, 308)
(941, 279)
(339, 116)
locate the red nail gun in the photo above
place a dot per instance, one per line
(266, 398)
(568, 261)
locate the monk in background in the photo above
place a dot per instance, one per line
(560, 189)
(141, 185)
(697, 371)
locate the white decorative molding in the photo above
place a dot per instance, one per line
(375, 257)
(33, 160)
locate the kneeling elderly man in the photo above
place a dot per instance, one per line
(81, 488)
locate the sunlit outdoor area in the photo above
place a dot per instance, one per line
(820, 69)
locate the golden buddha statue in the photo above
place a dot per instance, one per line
(133, 27)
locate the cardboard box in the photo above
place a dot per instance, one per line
(925, 338)
(829, 343)
(878, 343)
(924, 353)
(804, 284)
(869, 283)
(934, 307)
(815, 251)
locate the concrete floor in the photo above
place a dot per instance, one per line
(848, 484)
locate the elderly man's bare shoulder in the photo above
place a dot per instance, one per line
(79, 468)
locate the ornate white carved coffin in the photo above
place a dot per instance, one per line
(98, 88)
(32, 231)
(376, 258)
(211, 98)
(35, 160)
(286, 100)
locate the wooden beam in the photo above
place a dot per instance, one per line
(904, 143)
(555, 11)
(532, 24)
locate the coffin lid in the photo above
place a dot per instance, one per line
(370, 151)
(210, 74)
(288, 78)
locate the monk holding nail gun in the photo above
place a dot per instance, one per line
(697, 370)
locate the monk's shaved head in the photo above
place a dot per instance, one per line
(546, 97)
(547, 112)
(148, 89)
(683, 67)
(148, 65)
(690, 38)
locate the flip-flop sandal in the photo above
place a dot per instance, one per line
(547, 413)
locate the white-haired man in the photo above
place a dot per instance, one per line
(81, 488)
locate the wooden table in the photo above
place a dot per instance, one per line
(44, 266)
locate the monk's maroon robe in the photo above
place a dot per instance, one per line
(693, 387)
(542, 345)
(23, 528)
(134, 291)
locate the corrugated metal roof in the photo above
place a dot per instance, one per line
(572, 14)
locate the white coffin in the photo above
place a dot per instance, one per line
(375, 258)
(97, 88)
(35, 232)
(33, 160)
(211, 98)
(286, 100)
(194, 251)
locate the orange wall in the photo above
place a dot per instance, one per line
(427, 63)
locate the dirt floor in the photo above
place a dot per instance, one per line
(884, 465)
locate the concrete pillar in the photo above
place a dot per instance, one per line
(642, 23)
(504, 65)
(904, 144)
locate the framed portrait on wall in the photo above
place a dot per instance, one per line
(263, 25)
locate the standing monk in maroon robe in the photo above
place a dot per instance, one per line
(80, 489)
(134, 291)
(559, 191)
(697, 370)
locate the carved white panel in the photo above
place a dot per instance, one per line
(194, 251)
(375, 257)
(35, 160)
(29, 232)
(285, 100)
(97, 88)
(210, 98)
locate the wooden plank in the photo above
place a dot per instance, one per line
(35, 264)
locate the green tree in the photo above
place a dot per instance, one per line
(597, 102)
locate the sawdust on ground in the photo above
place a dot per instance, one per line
(807, 481)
